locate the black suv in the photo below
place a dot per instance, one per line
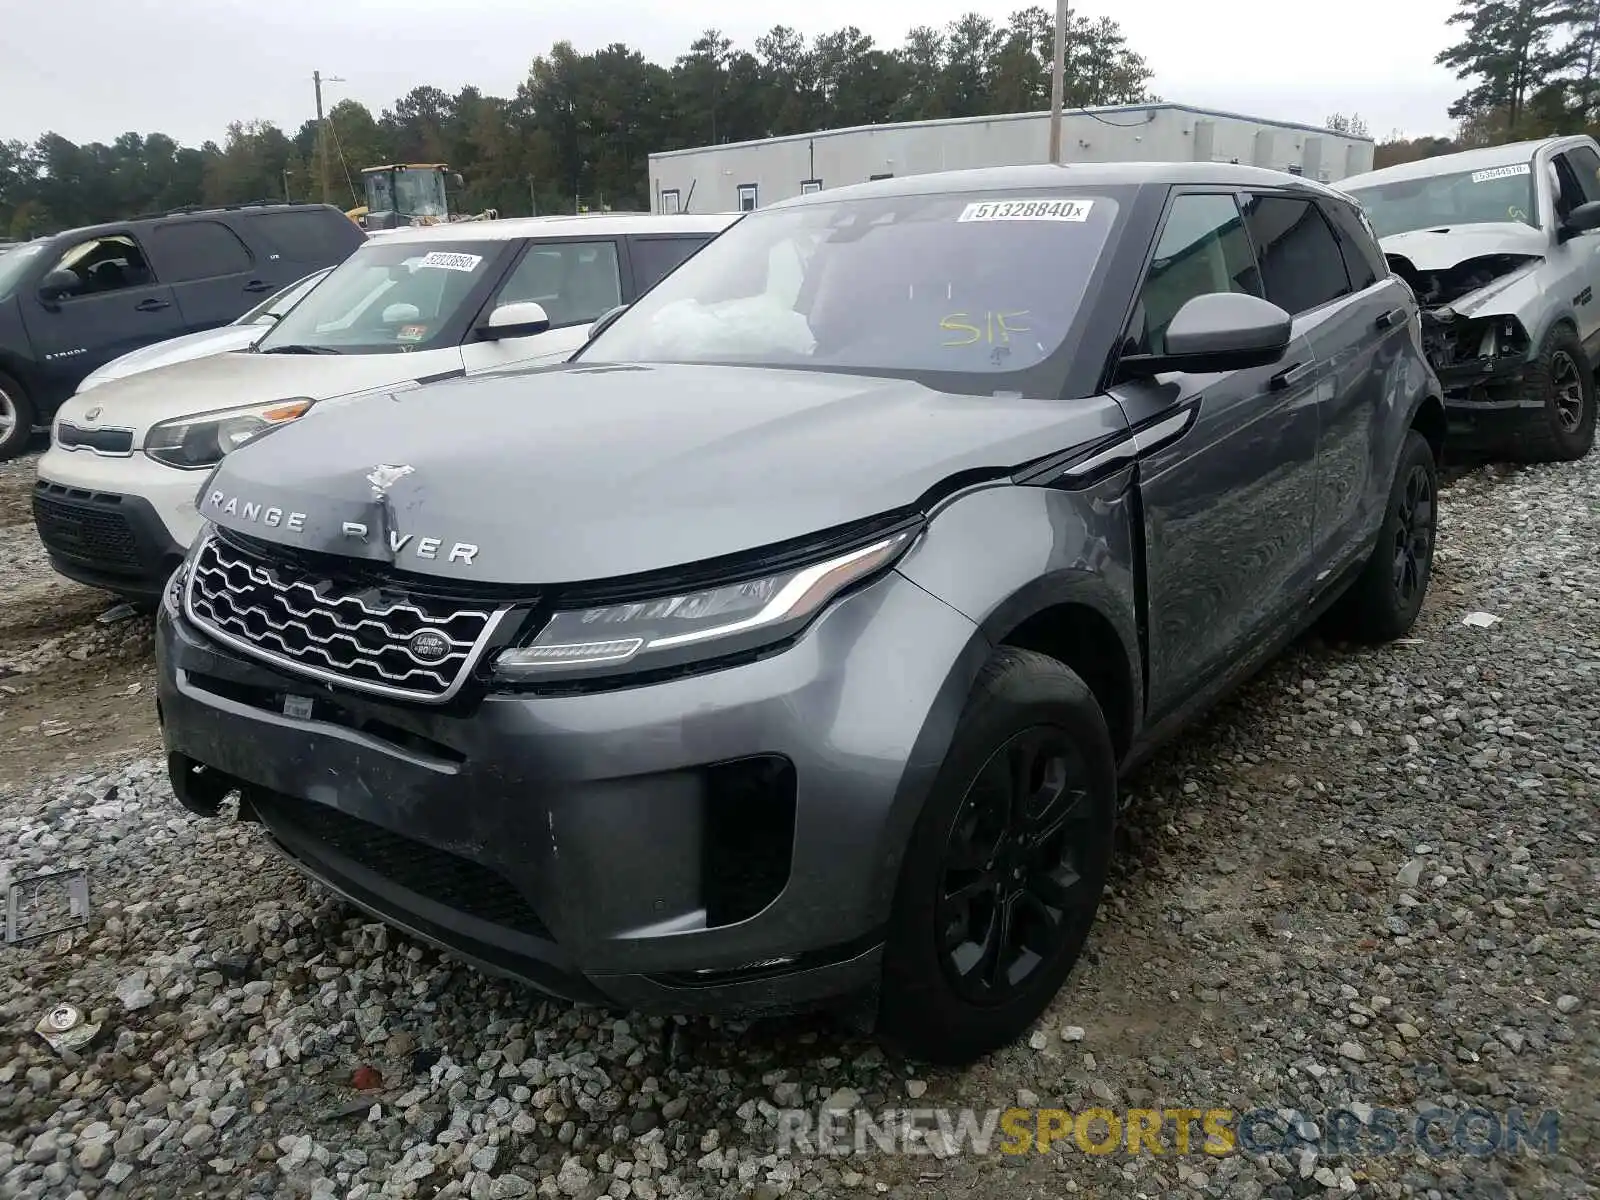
(73, 302)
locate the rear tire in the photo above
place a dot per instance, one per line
(16, 418)
(1005, 866)
(1562, 428)
(1383, 602)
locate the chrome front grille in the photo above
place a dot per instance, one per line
(357, 636)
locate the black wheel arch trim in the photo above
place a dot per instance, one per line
(939, 725)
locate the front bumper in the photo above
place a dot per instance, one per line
(121, 523)
(724, 842)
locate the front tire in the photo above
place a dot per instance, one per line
(16, 418)
(1005, 866)
(1383, 602)
(1561, 429)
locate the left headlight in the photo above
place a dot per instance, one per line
(714, 621)
(192, 443)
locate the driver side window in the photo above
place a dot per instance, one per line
(1203, 249)
(105, 264)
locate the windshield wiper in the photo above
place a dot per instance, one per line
(298, 348)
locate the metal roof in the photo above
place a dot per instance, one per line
(1101, 112)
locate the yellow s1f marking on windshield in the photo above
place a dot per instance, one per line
(1517, 214)
(990, 328)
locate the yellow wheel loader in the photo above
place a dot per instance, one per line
(401, 194)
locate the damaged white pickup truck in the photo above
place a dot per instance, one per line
(1502, 249)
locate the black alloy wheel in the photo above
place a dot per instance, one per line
(1013, 889)
(1413, 533)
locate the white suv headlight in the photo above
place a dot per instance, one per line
(193, 443)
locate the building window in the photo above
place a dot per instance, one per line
(747, 197)
(807, 186)
(875, 178)
(669, 201)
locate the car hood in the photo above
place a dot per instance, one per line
(584, 472)
(232, 380)
(1448, 246)
(175, 350)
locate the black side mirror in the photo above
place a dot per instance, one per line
(1583, 219)
(455, 181)
(57, 285)
(1220, 331)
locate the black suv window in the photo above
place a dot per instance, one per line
(105, 264)
(308, 235)
(656, 258)
(189, 250)
(1203, 249)
(1300, 259)
(1363, 260)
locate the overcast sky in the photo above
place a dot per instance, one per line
(91, 69)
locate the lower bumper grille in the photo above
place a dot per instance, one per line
(448, 879)
(85, 526)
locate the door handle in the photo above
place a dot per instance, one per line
(258, 285)
(1391, 318)
(151, 305)
(1290, 376)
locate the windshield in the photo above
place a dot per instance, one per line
(273, 307)
(14, 264)
(968, 287)
(1459, 198)
(419, 194)
(387, 297)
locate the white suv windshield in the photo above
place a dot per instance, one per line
(968, 286)
(387, 297)
(1503, 193)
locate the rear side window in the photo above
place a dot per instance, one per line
(656, 258)
(307, 235)
(190, 250)
(1202, 249)
(1300, 260)
(1363, 260)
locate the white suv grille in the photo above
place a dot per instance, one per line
(363, 637)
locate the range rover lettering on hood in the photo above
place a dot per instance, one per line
(275, 517)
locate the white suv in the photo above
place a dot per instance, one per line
(115, 499)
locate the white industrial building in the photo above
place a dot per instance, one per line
(744, 175)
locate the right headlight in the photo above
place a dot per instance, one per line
(677, 629)
(193, 443)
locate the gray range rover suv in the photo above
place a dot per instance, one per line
(785, 647)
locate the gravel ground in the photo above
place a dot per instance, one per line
(1372, 881)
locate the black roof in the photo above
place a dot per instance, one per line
(178, 214)
(1044, 176)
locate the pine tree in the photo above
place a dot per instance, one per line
(1513, 50)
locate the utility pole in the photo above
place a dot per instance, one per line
(1057, 80)
(322, 134)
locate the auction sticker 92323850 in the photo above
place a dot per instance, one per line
(451, 261)
(1045, 209)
